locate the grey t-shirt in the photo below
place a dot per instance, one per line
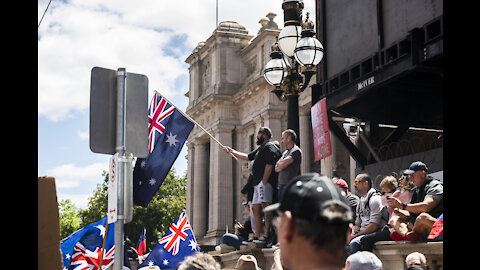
(430, 188)
(293, 169)
(373, 213)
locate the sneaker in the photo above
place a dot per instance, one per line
(261, 240)
(268, 242)
(224, 247)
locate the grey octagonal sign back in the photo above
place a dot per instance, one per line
(103, 105)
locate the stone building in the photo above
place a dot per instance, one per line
(230, 98)
(376, 127)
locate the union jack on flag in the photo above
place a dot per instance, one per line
(84, 259)
(82, 250)
(159, 111)
(178, 243)
(176, 233)
(168, 130)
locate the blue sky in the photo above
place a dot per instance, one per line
(149, 37)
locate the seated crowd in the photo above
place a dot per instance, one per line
(319, 222)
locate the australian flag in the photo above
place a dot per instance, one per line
(178, 243)
(168, 130)
(82, 249)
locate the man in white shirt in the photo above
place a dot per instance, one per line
(369, 212)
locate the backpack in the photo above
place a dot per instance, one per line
(384, 210)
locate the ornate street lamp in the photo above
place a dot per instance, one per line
(297, 44)
(276, 69)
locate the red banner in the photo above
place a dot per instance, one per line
(321, 133)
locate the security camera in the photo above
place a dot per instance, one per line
(352, 131)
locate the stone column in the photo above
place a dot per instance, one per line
(211, 189)
(306, 142)
(190, 159)
(222, 188)
(200, 172)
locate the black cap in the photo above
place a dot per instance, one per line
(416, 166)
(307, 195)
(266, 131)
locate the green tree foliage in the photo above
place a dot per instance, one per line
(97, 203)
(164, 208)
(69, 219)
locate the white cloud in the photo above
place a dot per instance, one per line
(76, 39)
(79, 200)
(83, 135)
(70, 176)
(77, 35)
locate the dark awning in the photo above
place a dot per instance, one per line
(401, 85)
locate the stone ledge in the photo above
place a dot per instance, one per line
(264, 256)
(393, 253)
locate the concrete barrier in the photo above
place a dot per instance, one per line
(393, 253)
(264, 256)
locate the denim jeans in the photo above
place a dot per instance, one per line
(232, 240)
(355, 244)
(370, 239)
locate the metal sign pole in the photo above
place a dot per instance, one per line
(119, 127)
(120, 148)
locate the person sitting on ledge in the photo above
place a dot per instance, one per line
(415, 219)
(241, 231)
(312, 219)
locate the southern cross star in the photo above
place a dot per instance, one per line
(193, 244)
(152, 181)
(102, 230)
(171, 139)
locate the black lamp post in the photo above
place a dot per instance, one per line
(296, 46)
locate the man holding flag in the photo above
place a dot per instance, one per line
(178, 243)
(168, 130)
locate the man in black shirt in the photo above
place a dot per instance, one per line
(264, 178)
(426, 204)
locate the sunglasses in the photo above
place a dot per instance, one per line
(358, 181)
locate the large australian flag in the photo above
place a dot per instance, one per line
(178, 243)
(168, 130)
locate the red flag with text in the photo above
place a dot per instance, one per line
(321, 132)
